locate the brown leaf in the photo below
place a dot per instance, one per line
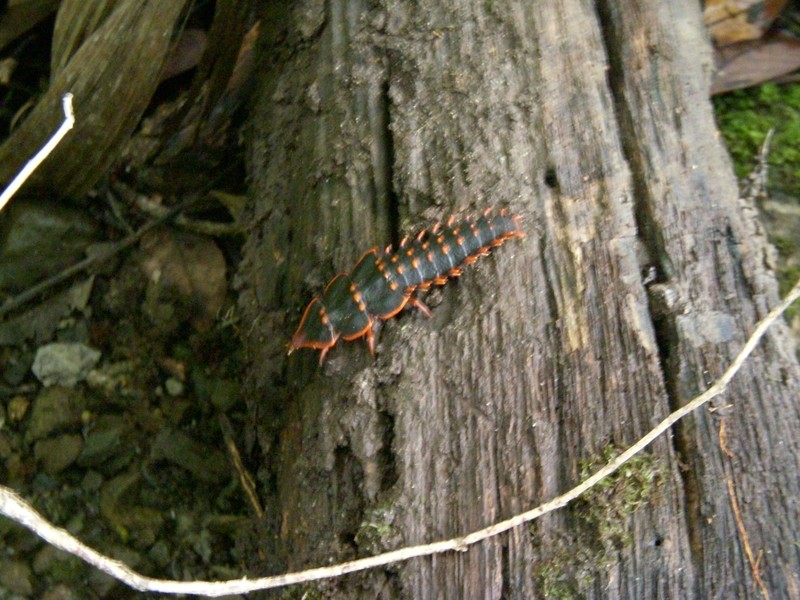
(751, 63)
(186, 54)
(190, 265)
(731, 21)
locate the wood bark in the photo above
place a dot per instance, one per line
(640, 278)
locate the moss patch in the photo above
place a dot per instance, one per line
(606, 508)
(556, 577)
(601, 524)
(744, 118)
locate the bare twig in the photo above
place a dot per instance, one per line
(17, 509)
(245, 478)
(748, 549)
(13, 303)
(212, 228)
(44, 152)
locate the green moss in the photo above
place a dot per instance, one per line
(606, 508)
(552, 583)
(787, 277)
(555, 578)
(744, 118)
(377, 531)
(568, 569)
(788, 249)
(601, 524)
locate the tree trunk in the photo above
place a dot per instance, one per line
(641, 276)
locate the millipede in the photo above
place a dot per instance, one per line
(383, 283)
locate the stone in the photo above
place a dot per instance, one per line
(53, 409)
(64, 363)
(58, 453)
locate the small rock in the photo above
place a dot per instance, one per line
(17, 407)
(64, 363)
(16, 367)
(41, 238)
(159, 553)
(43, 483)
(109, 435)
(174, 386)
(112, 509)
(6, 446)
(16, 470)
(174, 409)
(137, 525)
(111, 377)
(92, 481)
(54, 408)
(104, 585)
(58, 453)
(225, 393)
(77, 523)
(16, 577)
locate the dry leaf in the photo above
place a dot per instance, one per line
(76, 20)
(731, 21)
(190, 265)
(751, 63)
(186, 54)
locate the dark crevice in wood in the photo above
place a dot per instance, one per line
(348, 481)
(551, 178)
(550, 293)
(506, 574)
(655, 253)
(667, 336)
(386, 456)
(387, 141)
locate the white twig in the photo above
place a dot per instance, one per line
(17, 509)
(44, 152)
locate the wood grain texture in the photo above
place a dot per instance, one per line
(712, 254)
(592, 122)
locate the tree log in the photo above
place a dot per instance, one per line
(641, 276)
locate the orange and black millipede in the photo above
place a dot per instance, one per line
(382, 283)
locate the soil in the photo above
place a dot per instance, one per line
(131, 457)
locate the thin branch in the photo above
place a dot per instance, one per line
(13, 303)
(245, 478)
(17, 509)
(748, 549)
(212, 228)
(44, 152)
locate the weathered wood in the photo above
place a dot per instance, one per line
(711, 257)
(593, 122)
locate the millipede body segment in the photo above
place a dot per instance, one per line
(383, 283)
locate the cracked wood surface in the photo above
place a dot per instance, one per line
(592, 121)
